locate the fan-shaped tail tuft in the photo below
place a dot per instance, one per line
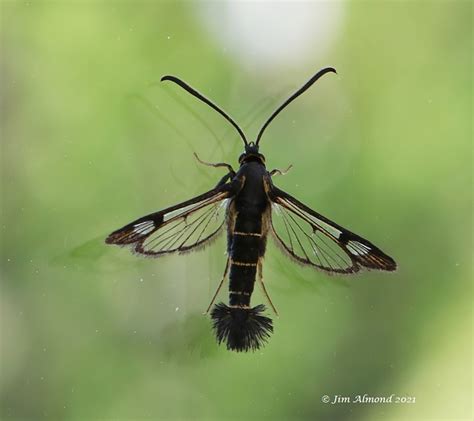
(243, 329)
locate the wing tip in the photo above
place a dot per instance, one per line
(111, 239)
(392, 265)
(387, 263)
(381, 262)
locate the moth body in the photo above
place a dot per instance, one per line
(239, 325)
(242, 203)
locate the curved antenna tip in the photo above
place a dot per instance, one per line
(306, 86)
(166, 77)
(328, 69)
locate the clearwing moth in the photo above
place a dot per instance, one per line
(250, 208)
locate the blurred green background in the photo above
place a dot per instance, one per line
(90, 140)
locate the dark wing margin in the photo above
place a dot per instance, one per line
(314, 240)
(180, 228)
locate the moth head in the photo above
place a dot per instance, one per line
(251, 154)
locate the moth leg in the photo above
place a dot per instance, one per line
(220, 164)
(219, 287)
(260, 280)
(280, 172)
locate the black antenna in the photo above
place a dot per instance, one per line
(306, 86)
(200, 96)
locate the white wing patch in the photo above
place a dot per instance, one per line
(144, 228)
(357, 248)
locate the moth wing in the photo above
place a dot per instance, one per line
(180, 228)
(314, 240)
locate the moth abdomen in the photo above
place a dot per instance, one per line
(241, 282)
(240, 326)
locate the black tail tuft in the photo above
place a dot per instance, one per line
(243, 329)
